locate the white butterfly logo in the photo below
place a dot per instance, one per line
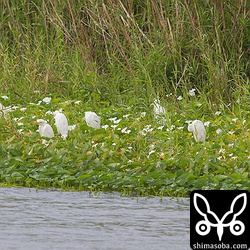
(203, 227)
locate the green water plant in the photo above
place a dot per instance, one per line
(131, 153)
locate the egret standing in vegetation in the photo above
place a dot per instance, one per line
(45, 129)
(92, 119)
(61, 123)
(198, 130)
(159, 111)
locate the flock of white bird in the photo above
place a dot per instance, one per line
(93, 120)
(61, 122)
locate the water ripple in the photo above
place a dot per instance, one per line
(76, 220)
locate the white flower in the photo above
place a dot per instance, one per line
(14, 108)
(199, 104)
(218, 131)
(47, 100)
(77, 102)
(160, 128)
(126, 116)
(72, 127)
(231, 145)
(206, 124)
(191, 92)
(180, 128)
(235, 120)
(19, 124)
(125, 130)
(217, 113)
(5, 97)
(113, 119)
(179, 98)
(113, 126)
(45, 142)
(7, 110)
(117, 121)
(105, 126)
(142, 133)
(23, 109)
(151, 152)
(143, 114)
(172, 127)
(198, 130)
(36, 91)
(148, 128)
(222, 151)
(49, 112)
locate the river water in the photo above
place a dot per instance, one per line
(44, 219)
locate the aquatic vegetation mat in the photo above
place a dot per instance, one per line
(134, 152)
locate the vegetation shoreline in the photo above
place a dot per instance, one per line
(116, 58)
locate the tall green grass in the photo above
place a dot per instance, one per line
(125, 52)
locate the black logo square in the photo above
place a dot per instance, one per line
(219, 219)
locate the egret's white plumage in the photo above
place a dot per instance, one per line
(159, 111)
(92, 119)
(45, 129)
(198, 130)
(61, 123)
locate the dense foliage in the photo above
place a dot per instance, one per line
(116, 57)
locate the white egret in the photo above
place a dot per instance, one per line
(92, 119)
(45, 129)
(198, 130)
(61, 123)
(159, 111)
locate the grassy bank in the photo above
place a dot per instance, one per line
(116, 57)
